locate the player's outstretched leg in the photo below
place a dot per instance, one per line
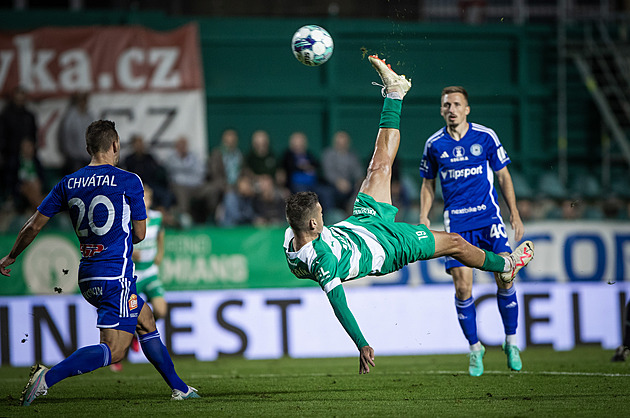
(84, 360)
(156, 352)
(378, 180)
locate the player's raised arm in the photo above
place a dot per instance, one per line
(27, 234)
(337, 299)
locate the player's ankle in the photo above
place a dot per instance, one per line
(510, 339)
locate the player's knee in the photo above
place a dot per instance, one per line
(159, 310)
(457, 244)
(463, 290)
(146, 321)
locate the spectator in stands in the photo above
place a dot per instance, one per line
(152, 173)
(223, 171)
(269, 204)
(228, 156)
(260, 160)
(30, 184)
(187, 182)
(301, 169)
(71, 134)
(342, 170)
(17, 123)
(238, 204)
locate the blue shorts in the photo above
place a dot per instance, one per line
(491, 238)
(116, 301)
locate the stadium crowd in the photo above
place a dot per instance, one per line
(240, 184)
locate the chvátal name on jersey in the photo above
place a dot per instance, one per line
(92, 181)
(464, 172)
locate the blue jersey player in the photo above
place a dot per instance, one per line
(466, 157)
(106, 206)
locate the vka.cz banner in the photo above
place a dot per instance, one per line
(148, 82)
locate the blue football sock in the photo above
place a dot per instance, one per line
(467, 315)
(508, 308)
(84, 360)
(157, 354)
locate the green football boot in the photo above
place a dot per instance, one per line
(513, 357)
(475, 367)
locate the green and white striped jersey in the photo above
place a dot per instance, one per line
(369, 242)
(356, 248)
(149, 245)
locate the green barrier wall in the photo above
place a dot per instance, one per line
(254, 82)
(209, 258)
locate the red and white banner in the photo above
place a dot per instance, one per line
(148, 82)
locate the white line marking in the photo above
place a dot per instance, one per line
(428, 372)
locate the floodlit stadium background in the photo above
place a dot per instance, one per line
(229, 289)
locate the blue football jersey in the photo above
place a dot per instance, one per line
(101, 200)
(466, 172)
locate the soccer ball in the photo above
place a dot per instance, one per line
(312, 45)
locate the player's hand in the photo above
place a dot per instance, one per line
(4, 263)
(424, 220)
(366, 358)
(517, 226)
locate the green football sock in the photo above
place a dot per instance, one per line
(390, 115)
(493, 262)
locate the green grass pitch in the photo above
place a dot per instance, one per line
(581, 382)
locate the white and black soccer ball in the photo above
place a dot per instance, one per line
(312, 45)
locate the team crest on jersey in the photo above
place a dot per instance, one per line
(133, 302)
(476, 150)
(459, 154)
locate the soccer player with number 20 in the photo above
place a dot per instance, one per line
(106, 206)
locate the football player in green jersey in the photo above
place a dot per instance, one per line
(147, 257)
(370, 242)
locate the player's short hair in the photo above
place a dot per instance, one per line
(299, 209)
(454, 89)
(100, 135)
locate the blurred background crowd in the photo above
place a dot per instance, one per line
(246, 175)
(243, 181)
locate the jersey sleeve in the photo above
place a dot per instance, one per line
(325, 271)
(428, 166)
(135, 195)
(54, 202)
(497, 156)
(337, 299)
